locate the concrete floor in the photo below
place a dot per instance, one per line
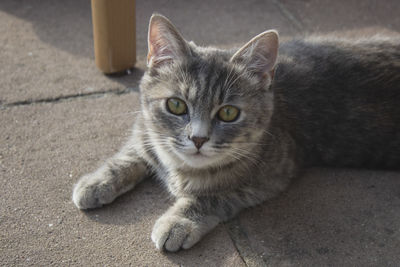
(60, 118)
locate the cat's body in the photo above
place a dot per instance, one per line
(225, 130)
(340, 100)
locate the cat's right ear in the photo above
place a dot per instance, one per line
(259, 54)
(165, 43)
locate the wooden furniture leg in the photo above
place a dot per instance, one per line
(114, 34)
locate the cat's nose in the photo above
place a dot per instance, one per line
(199, 141)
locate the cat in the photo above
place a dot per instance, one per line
(228, 129)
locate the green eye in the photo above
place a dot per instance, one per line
(228, 113)
(176, 106)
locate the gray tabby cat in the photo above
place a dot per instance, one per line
(226, 130)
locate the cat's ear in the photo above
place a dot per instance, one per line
(260, 53)
(165, 43)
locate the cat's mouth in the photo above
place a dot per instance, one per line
(198, 154)
(197, 159)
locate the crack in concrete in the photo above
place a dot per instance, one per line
(242, 244)
(63, 98)
(286, 13)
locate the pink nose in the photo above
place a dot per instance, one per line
(199, 141)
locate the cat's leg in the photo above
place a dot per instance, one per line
(117, 176)
(190, 218)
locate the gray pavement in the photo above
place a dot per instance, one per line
(60, 118)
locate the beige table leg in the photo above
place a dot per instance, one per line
(114, 33)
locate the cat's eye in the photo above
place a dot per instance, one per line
(228, 113)
(176, 106)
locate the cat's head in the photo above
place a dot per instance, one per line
(204, 106)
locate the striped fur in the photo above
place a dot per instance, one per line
(324, 102)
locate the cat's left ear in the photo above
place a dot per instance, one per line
(259, 54)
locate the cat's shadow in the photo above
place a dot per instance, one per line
(328, 215)
(325, 215)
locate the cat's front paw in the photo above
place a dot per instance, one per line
(172, 232)
(93, 191)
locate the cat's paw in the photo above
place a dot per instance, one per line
(93, 191)
(172, 232)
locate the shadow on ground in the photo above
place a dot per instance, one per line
(222, 23)
(329, 216)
